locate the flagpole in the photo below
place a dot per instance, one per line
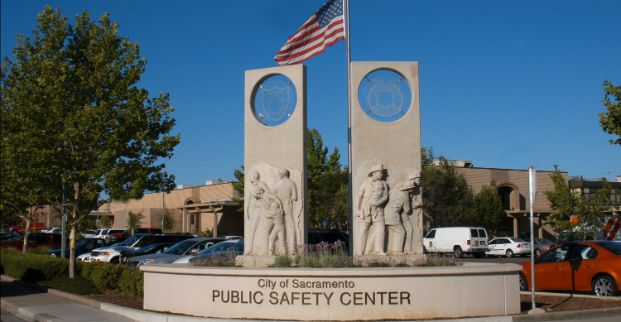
(349, 151)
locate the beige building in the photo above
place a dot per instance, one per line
(213, 209)
(513, 189)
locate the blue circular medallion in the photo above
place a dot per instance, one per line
(384, 95)
(274, 100)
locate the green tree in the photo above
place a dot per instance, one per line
(133, 220)
(327, 184)
(239, 185)
(487, 209)
(105, 133)
(562, 200)
(610, 120)
(28, 180)
(168, 221)
(447, 198)
(106, 221)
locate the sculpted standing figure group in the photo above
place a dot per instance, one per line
(273, 226)
(378, 210)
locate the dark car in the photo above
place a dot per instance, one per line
(81, 247)
(34, 240)
(126, 254)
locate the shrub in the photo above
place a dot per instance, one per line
(106, 276)
(132, 282)
(318, 255)
(32, 267)
(76, 285)
(52, 272)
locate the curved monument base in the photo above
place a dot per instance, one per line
(334, 294)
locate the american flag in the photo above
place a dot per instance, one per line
(321, 30)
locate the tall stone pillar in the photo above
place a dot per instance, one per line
(386, 160)
(274, 163)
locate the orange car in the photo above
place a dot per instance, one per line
(586, 266)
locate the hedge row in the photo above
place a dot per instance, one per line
(35, 268)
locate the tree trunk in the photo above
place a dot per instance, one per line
(72, 234)
(27, 221)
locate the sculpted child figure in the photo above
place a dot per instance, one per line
(370, 202)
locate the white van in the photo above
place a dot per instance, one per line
(457, 240)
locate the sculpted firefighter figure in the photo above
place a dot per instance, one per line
(369, 213)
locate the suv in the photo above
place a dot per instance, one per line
(112, 254)
(456, 240)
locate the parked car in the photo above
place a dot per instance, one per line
(585, 266)
(115, 235)
(508, 246)
(183, 248)
(112, 254)
(81, 247)
(456, 240)
(147, 230)
(226, 249)
(90, 233)
(34, 240)
(9, 235)
(149, 249)
(542, 245)
(33, 227)
(51, 230)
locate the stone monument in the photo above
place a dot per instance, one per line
(274, 163)
(386, 161)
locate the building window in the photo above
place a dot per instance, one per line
(505, 196)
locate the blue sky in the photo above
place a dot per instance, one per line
(506, 84)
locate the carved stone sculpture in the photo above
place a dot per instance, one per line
(287, 191)
(254, 211)
(273, 212)
(369, 213)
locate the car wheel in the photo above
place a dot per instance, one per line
(537, 252)
(604, 286)
(509, 253)
(457, 252)
(114, 260)
(523, 283)
(478, 255)
(424, 250)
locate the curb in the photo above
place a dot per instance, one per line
(587, 296)
(569, 315)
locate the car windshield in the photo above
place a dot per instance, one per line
(519, 240)
(613, 246)
(180, 247)
(127, 241)
(148, 248)
(219, 247)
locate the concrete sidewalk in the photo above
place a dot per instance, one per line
(35, 304)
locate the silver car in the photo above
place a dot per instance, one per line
(183, 248)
